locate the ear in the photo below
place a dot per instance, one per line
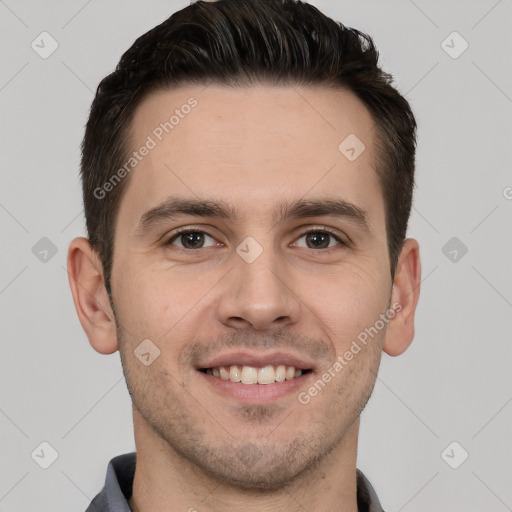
(404, 299)
(91, 300)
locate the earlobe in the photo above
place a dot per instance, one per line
(404, 299)
(85, 273)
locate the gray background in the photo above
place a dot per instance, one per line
(453, 384)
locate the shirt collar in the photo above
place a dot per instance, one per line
(119, 486)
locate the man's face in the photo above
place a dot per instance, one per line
(268, 285)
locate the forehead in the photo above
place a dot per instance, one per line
(250, 146)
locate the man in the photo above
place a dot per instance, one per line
(248, 173)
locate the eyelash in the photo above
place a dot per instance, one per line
(185, 231)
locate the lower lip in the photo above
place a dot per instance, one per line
(256, 393)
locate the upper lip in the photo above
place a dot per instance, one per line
(257, 360)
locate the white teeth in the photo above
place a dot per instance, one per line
(251, 375)
(290, 373)
(266, 375)
(235, 373)
(280, 373)
(224, 375)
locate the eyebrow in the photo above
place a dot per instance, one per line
(174, 207)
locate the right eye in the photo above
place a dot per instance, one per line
(190, 239)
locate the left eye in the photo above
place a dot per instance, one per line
(319, 240)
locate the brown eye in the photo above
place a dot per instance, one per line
(191, 240)
(320, 239)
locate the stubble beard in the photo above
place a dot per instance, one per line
(249, 463)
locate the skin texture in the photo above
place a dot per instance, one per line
(253, 148)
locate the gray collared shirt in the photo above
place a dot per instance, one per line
(119, 484)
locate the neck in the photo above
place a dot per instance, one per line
(166, 481)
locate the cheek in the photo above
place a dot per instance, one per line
(346, 301)
(158, 302)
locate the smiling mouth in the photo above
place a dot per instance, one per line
(255, 375)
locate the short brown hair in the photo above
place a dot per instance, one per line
(238, 43)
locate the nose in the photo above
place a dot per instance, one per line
(258, 295)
